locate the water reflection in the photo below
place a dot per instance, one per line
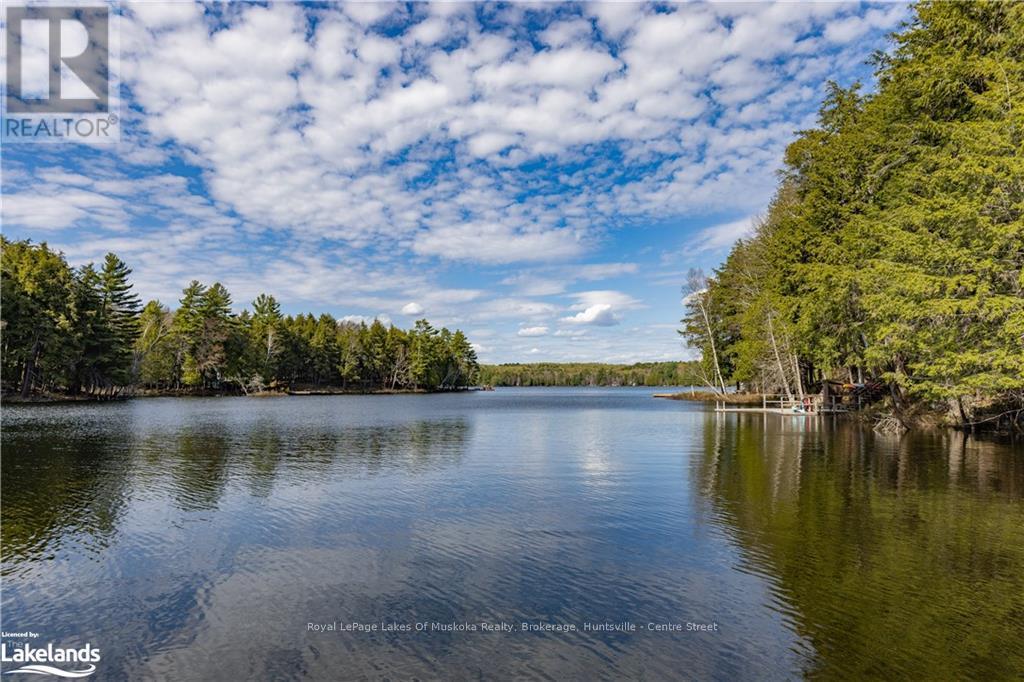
(68, 472)
(72, 488)
(893, 556)
(195, 539)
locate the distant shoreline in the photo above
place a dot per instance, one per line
(57, 398)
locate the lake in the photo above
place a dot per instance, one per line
(222, 538)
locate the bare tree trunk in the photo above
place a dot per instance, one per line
(697, 287)
(778, 358)
(799, 379)
(711, 341)
(704, 375)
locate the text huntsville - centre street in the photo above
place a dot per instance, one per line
(505, 627)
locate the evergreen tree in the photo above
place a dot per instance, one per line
(424, 357)
(120, 308)
(210, 352)
(186, 330)
(70, 330)
(266, 335)
(895, 246)
(37, 286)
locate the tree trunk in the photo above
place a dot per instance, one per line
(778, 358)
(963, 413)
(799, 378)
(30, 369)
(711, 340)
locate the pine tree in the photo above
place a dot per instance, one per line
(186, 330)
(895, 246)
(37, 286)
(210, 352)
(120, 308)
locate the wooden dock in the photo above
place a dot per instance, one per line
(814, 407)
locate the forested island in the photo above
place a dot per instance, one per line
(591, 374)
(893, 251)
(82, 332)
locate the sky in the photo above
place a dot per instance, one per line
(539, 175)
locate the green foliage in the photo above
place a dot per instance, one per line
(155, 350)
(590, 374)
(895, 245)
(204, 345)
(120, 309)
(65, 329)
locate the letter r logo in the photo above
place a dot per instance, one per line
(57, 59)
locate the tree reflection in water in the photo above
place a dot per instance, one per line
(891, 556)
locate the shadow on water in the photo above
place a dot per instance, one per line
(892, 556)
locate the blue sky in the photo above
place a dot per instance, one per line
(541, 176)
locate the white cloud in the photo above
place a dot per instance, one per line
(392, 149)
(598, 271)
(854, 26)
(363, 319)
(412, 308)
(61, 210)
(691, 297)
(161, 15)
(234, 96)
(565, 33)
(515, 307)
(721, 236)
(599, 314)
(601, 308)
(615, 299)
(485, 144)
(546, 281)
(532, 331)
(493, 243)
(535, 285)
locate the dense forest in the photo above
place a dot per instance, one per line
(893, 251)
(590, 374)
(83, 331)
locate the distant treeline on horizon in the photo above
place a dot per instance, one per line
(590, 374)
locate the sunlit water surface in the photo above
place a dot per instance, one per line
(196, 539)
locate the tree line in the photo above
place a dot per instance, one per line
(590, 374)
(893, 249)
(83, 330)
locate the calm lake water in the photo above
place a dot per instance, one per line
(197, 539)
